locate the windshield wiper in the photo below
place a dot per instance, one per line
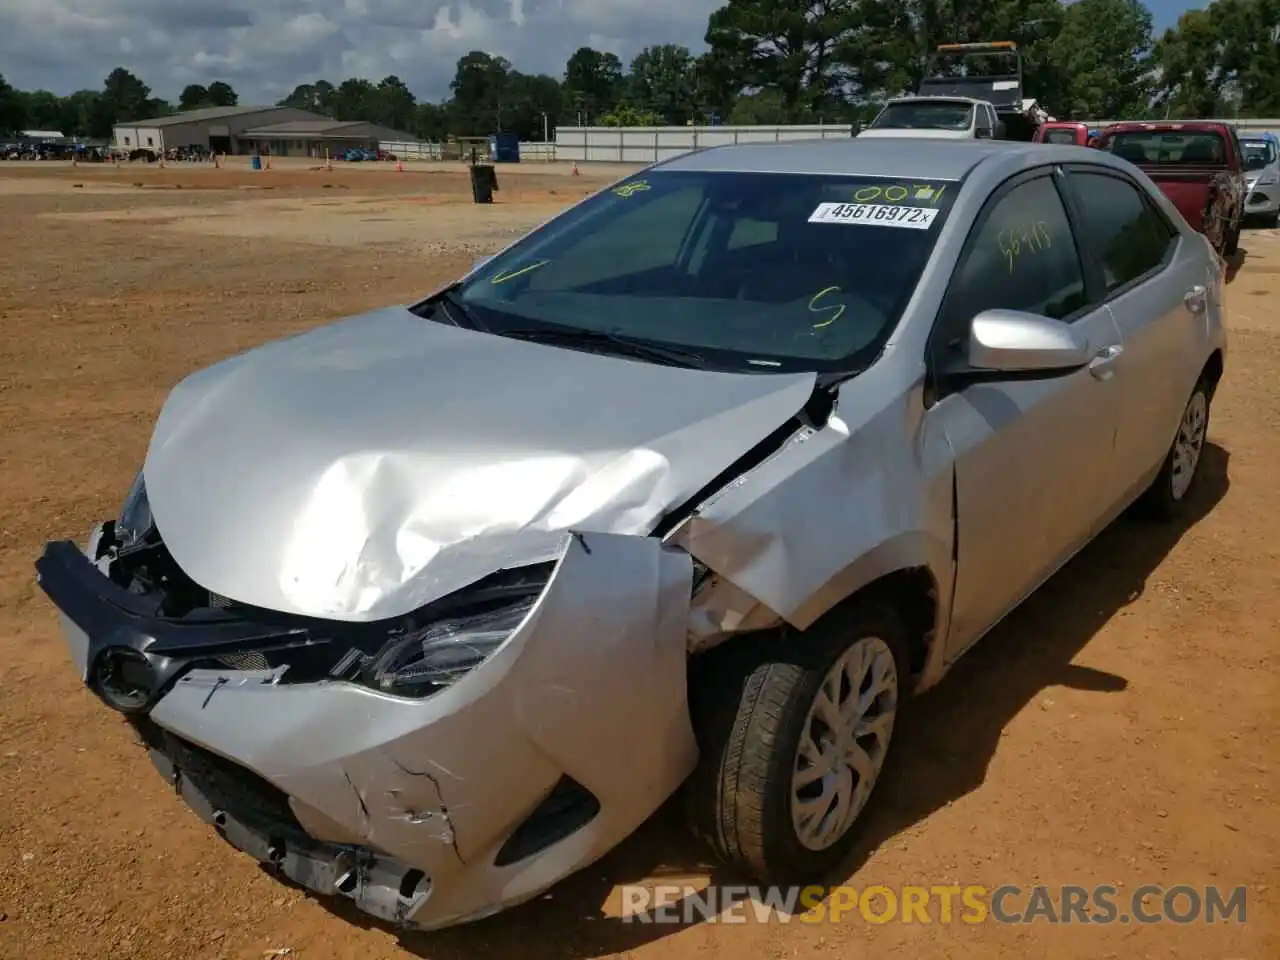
(458, 312)
(611, 342)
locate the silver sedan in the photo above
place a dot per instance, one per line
(693, 485)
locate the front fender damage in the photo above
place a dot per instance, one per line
(592, 686)
(832, 511)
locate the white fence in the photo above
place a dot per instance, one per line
(651, 144)
(420, 150)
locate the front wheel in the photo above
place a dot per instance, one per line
(1168, 493)
(793, 733)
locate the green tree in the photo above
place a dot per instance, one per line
(13, 108)
(626, 115)
(1103, 48)
(193, 97)
(534, 107)
(316, 97)
(662, 81)
(397, 107)
(128, 98)
(221, 94)
(593, 82)
(481, 90)
(792, 46)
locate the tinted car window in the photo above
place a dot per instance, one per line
(1023, 257)
(1128, 235)
(941, 115)
(757, 271)
(1258, 154)
(1168, 147)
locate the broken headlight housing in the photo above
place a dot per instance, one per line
(135, 516)
(418, 663)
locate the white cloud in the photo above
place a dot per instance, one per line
(265, 49)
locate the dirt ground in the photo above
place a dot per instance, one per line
(1120, 728)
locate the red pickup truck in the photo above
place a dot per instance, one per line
(1196, 164)
(1062, 131)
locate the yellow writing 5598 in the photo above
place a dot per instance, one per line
(1019, 238)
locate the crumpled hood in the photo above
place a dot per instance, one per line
(364, 469)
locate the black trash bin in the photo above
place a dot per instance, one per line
(484, 182)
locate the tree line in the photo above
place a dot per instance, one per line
(783, 61)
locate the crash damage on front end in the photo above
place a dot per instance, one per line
(394, 658)
(456, 798)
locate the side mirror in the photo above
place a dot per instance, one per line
(1010, 341)
(983, 133)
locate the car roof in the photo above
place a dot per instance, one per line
(911, 158)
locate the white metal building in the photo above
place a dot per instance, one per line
(318, 137)
(219, 129)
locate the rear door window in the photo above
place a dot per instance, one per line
(1127, 234)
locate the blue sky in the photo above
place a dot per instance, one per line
(265, 47)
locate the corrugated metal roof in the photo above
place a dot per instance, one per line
(202, 115)
(304, 128)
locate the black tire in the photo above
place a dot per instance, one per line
(1271, 220)
(1166, 499)
(751, 701)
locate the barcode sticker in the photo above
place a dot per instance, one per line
(875, 214)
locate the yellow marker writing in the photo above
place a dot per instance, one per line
(837, 307)
(632, 188)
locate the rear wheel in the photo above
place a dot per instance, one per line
(793, 733)
(1168, 493)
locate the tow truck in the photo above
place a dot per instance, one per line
(990, 71)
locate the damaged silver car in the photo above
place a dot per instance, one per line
(693, 485)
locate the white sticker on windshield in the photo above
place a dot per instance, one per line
(875, 214)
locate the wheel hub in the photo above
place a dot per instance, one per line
(844, 743)
(1188, 444)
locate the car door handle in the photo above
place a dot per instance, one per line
(1100, 365)
(1195, 299)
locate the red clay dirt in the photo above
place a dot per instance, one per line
(1119, 728)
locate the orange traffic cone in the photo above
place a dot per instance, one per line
(575, 169)
(399, 166)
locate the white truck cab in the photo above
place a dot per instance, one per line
(949, 118)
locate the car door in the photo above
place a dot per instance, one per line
(1032, 454)
(1156, 285)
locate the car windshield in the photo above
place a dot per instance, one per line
(1168, 147)
(1258, 154)
(940, 115)
(962, 65)
(749, 271)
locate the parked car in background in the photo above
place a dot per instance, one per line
(951, 118)
(696, 483)
(1062, 132)
(1197, 164)
(1262, 177)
